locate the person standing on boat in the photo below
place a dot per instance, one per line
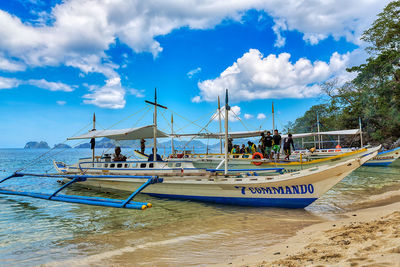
(276, 144)
(286, 145)
(151, 157)
(268, 145)
(262, 144)
(230, 146)
(243, 149)
(142, 145)
(252, 147)
(117, 155)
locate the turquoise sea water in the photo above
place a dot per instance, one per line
(35, 231)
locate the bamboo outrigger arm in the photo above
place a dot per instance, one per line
(97, 201)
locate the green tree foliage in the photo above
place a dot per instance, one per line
(374, 94)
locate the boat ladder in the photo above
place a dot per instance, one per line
(96, 201)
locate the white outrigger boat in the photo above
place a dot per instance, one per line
(302, 158)
(181, 180)
(384, 158)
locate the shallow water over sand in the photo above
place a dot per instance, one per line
(34, 231)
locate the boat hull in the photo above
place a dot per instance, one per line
(292, 190)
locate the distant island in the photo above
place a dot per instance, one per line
(36, 145)
(62, 146)
(135, 144)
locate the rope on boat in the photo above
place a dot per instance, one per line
(45, 153)
(191, 122)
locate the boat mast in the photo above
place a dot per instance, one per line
(155, 121)
(220, 126)
(155, 125)
(94, 129)
(227, 108)
(361, 137)
(273, 117)
(319, 137)
(172, 136)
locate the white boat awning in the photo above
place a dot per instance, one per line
(123, 134)
(235, 135)
(341, 132)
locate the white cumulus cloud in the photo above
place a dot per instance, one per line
(196, 99)
(191, 73)
(82, 30)
(51, 86)
(10, 65)
(111, 95)
(136, 92)
(261, 116)
(78, 33)
(61, 102)
(319, 19)
(248, 116)
(8, 83)
(254, 76)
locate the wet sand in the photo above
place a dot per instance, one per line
(366, 237)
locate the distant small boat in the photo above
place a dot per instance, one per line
(384, 158)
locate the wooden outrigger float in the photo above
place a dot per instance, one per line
(96, 201)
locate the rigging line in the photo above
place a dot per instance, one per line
(58, 152)
(267, 117)
(180, 129)
(141, 118)
(47, 152)
(280, 122)
(239, 120)
(144, 114)
(87, 125)
(46, 158)
(108, 148)
(124, 119)
(192, 122)
(162, 114)
(191, 139)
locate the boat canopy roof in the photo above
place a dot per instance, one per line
(122, 134)
(235, 135)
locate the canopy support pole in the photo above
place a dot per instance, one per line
(319, 136)
(227, 108)
(94, 143)
(172, 135)
(155, 126)
(361, 137)
(220, 126)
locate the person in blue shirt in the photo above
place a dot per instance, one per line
(151, 157)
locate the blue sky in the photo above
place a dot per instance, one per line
(62, 61)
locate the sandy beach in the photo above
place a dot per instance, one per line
(366, 237)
